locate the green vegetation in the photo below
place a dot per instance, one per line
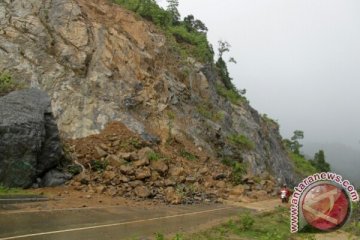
(241, 141)
(302, 166)
(159, 236)
(188, 36)
(231, 95)
(262, 226)
(206, 110)
(222, 67)
(171, 115)
(246, 222)
(229, 90)
(154, 156)
(238, 170)
(149, 10)
(98, 165)
(7, 84)
(74, 169)
(353, 227)
(11, 191)
(131, 144)
(294, 145)
(319, 162)
(178, 237)
(193, 44)
(269, 120)
(135, 143)
(188, 155)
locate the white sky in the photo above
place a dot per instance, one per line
(298, 59)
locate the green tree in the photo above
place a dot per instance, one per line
(298, 134)
(194, 25)
(294, 143)
(172, 8)
(224, 74)
(320, 163)
(224, 47)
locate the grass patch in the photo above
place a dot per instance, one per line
(154, 156)
(171, 115)
(207, 111)
(231, 95)
(74, 169)
(269, 120)
(246, 222)
(98, 165)
(353, 227)
(194, 44)
(188, 155)
(159, 236)
(263, 226)
(302, 166)
(241, 141)
(238, 170)
(7, 84)
(131, 144)
(11, 191)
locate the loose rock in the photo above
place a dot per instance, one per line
(142, 192)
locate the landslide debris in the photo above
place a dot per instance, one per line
(118, 163)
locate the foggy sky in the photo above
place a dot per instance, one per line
(299, 60)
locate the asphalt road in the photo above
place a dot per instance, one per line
(109, 223)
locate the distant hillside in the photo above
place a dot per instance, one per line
(343, 159)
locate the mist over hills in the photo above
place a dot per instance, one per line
(344, 160)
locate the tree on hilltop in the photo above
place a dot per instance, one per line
(194, 25)
(172, 8)
(294, 145)
(320, 163)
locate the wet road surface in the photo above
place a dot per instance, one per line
(109, 223)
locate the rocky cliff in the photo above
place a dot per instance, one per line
(100, 63)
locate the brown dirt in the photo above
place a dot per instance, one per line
(115, 136)
(261, 206)
(66, 197)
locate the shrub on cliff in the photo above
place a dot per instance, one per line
(189, 35)
(149, 10)
(7, 84)
(302, 166)
(241, 141)
(231, 95)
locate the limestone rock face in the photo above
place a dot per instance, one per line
(94, 60)
(100, 63)
(29, 138)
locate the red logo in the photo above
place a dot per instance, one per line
(326, 206)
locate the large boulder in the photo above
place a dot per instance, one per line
(29, 138)
(55, 178)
